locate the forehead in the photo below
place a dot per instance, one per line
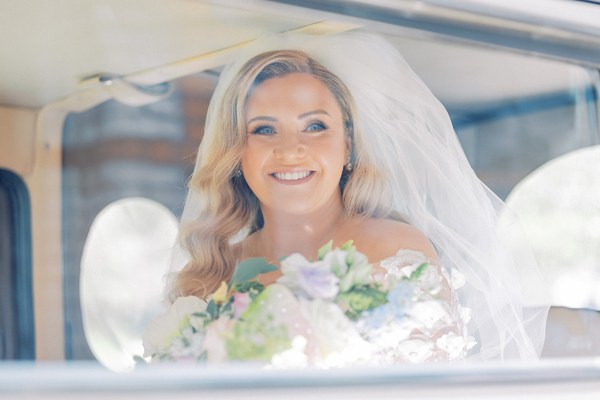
(296, 90)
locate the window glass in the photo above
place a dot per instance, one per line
(508, 140)
(125, 259)
(538, 153)
(560, 213)
(16, 299)
(7, 306)
(113, 152)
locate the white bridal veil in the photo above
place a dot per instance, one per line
(402, 128)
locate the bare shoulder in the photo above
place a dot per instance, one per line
(384, 237)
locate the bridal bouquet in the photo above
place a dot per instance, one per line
(326, 313)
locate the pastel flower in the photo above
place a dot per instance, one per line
(290, 269)
(399, 301)
(220, 295)
(308, 279)
(294, 357)
(351, 267)
(240, 303)
(318, 283)
(161, 331)
(337, 260)
(214, 339)
(339, 342)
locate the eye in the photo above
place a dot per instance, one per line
(263, 130)
(316, 127)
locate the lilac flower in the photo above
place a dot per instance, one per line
(318, 283)
(312, 279)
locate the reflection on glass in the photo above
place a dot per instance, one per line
(125, 258)
(560, 212)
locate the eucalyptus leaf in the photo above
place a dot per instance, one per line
(211, 309)
(350, 258)
(251, 287)
(349, 245)
(325, 249)
(250, 269)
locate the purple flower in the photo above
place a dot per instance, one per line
(318, 283)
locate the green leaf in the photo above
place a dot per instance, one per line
(250, 269)
(226, 308)
(251, 287)
(325, 249)
(416, 274)
(211, 309)
(361, 298)
(349, 245)
(350, 257)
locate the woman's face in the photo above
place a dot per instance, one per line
(296, 144)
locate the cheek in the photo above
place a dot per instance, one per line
(332, 154)
(252, 154)
(254, 158)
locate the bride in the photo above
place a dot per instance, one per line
(312, 139)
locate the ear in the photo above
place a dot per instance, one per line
(348, 141)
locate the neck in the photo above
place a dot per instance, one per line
(284, 233)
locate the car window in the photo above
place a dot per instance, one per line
(16, 297)
(115, 151)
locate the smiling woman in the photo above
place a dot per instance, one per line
(295, 172)
(302, 148)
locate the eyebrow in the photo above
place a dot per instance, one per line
(262, 118)
(307, 114)
(301, 116)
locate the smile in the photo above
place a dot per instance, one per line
(291, 176)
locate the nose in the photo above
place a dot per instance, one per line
(290, 147)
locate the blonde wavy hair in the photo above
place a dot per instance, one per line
(229, 206)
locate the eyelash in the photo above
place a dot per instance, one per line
(321, 126)
(257, 131)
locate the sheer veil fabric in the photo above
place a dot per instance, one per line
(406, 132)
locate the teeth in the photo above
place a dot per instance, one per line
(291, 176)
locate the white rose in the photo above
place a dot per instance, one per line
(339, 342)
(214, 343)
(336, 260)
(294, 357)
(290, 269)
(165, 327)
